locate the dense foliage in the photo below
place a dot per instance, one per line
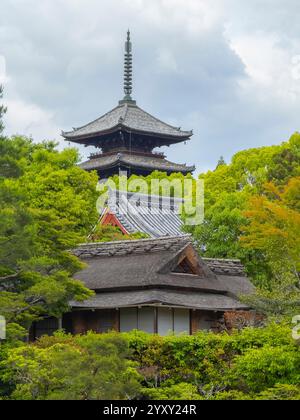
(2, 110)
(108, 233)
(252, 212)
(47, 206)
(252, 364)
(90, 367)
(273, 229)
(230, 190)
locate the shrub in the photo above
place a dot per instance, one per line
(181, 391)
(255, 363)
(281, 392)
(91, 367)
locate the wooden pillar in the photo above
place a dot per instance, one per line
(116, 324)
(60, 323)
(79, 322)
(194, 321)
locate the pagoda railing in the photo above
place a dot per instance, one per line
(160, 155)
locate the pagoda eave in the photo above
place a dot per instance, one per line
(136, 163)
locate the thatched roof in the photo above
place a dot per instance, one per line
(125, 272)
(195, 300)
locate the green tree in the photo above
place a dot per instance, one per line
(280, 392)
(47, 206)
(260, 369)
(221, 161)
(228, 191)
(255, 363)
(3, 110)
(181, 391)
(286, 163)
(91, 367)
(108, 233)
(274, 229)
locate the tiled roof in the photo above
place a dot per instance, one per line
(231, 267)
(130, 117)
(135, 161)
(155, 216)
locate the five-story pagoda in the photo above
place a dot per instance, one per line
(127, 136)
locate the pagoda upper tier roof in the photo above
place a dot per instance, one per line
(129, 117)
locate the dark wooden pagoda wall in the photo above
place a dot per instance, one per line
(130, 141)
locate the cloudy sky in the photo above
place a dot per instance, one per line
(229, 69)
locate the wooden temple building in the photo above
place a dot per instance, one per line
(155, 285)
(127, 135)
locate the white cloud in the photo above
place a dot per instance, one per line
(30, 120)
(269, 67)
(3, 75)
(166, 61)
(193, 16)
(295, 70)
(23, 116)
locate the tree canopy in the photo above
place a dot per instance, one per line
(232, 189)
(2, 111)
(252, 364)
(91, 367)
(47, 206)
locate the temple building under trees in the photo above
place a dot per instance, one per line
(155, 285)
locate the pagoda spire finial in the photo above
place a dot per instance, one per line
(128, 70)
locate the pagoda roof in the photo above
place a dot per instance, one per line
(132, 160)
(129, 117)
